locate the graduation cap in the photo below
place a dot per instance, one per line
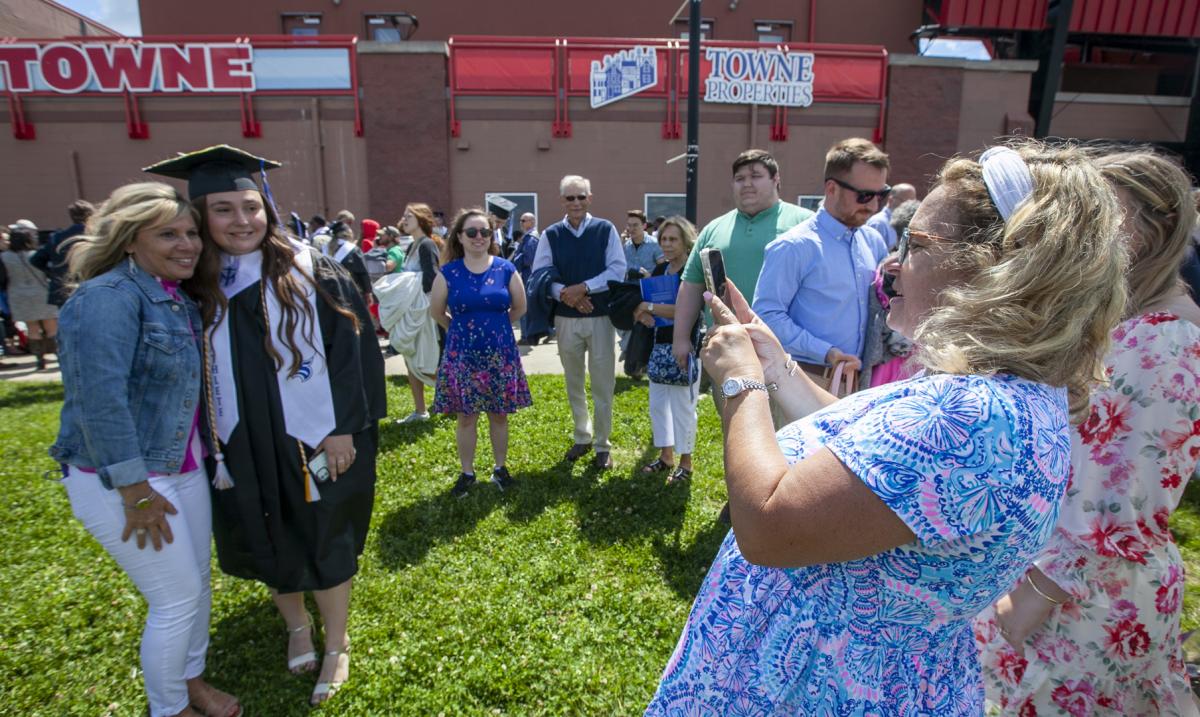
(220, 168)
(500, 206)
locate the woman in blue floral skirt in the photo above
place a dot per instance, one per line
(481, 368)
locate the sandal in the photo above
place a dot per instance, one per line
(658, 465)
(326, 690)
(305, 662)
(679, 475)
(208, 706)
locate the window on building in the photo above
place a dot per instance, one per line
(810, 201)
(776, 32)
(706, 28)
(302, 23)
(390, 27)
(526, 202)
(664, 205)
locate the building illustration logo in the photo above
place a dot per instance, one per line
(626, 73)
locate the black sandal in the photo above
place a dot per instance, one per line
(679, 475)
(657, 466)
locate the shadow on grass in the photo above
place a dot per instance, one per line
(29, 394)
(611, 507)
(236, 661)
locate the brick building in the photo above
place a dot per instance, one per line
(420, 101)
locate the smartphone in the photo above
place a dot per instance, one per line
(714, 271)
(318, 466)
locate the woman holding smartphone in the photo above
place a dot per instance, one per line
(293, 371)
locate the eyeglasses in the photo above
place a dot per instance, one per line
(862, 196)
(902, 245)
(472, 232)
(575, 197)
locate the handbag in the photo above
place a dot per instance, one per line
(840, 381)
(663, 368)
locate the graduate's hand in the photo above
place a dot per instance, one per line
(339, 454)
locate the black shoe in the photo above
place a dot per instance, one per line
(501, 479)
(463, 485)
(602, 460)
(724, 516)
(577, 451)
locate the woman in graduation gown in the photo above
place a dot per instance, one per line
(308, 393)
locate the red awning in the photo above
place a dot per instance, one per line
(1151, 18)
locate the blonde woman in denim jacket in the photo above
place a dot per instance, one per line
(130, 439)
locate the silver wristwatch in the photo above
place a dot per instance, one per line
(734, 386)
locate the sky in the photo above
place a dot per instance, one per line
(120, 15)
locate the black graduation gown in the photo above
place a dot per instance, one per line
(263, 527)
(354, 263)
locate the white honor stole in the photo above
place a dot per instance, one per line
(307, 397)
(343, 249)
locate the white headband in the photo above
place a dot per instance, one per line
(1007, 179)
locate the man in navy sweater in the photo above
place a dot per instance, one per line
(586, 252)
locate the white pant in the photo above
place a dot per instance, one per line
(673, 415)
(174, 581)
(595, 338)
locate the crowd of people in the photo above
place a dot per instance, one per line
(954, 427)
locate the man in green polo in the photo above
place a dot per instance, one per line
(741, 235)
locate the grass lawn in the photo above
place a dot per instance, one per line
(563, 597)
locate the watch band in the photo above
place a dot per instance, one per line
(736, 386)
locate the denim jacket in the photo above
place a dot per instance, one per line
(131, 376)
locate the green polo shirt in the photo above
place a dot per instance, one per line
(741, 239)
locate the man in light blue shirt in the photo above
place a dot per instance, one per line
(882, 222)
(815, 279)
(642, 252)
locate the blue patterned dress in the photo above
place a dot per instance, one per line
(481, 367)
(975, 467)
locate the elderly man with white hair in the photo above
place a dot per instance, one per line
(586, 253)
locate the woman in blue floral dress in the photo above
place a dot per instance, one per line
(481, 368)
(870, 530)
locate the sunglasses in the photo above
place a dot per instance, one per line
(862, 196)
(575, 197)
(472, 232)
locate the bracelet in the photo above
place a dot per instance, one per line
(1036, 589)
(141, 504)
(791, 367)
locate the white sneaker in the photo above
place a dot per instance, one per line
(413, 417)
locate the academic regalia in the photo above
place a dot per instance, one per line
(351, 259)
(265, 530)
(274, 523)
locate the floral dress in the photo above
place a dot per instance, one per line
(975, 467)
(1114, 648)
(481, 367)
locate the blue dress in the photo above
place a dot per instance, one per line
(976, 467)
(481, 367)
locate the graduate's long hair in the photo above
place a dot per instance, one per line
(277, 265)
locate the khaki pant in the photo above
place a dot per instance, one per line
(593, 338)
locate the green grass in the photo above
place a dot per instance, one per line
(564, 596)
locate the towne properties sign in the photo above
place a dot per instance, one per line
(759, 77)
(736, 76)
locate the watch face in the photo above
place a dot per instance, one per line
(731, 387)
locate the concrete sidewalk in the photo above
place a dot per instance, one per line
(536, 359)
